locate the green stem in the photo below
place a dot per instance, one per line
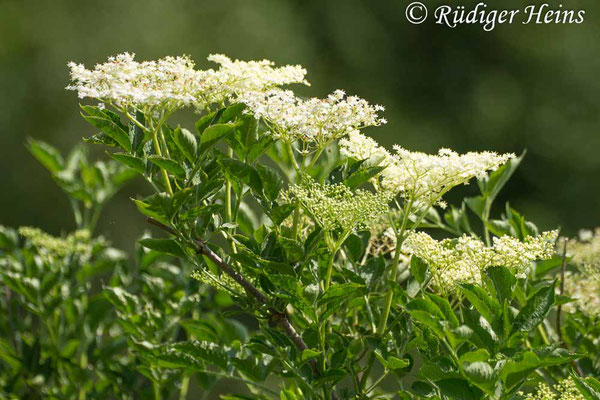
(485, 219)
(389, 296)
(157, 394)
(163, 171)
(185, 383)
(365, 376)
(296, 223)
(290, 152)
(329, 270)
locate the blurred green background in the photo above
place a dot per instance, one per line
(518, 87)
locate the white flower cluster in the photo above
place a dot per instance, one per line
(75, 243)
(336, 206)
(564, 390)
(312, 120)
(584, 286)
(453, 261)
(361, 147)
(173, 82)
(169, 82)
(424, 178)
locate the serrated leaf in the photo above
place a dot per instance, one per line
(167, 246)
(213, 134)
(132, 162)
(108, 122)
(536, 309)
(418, 268)
(271, 181)
(47, 155)
(186, 142)
(171, 166)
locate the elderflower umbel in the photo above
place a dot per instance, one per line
(336, 206)
(235, 77)
(312, 120)
(168, 83)
(424, 178)
(361, 147)
(584, 286)
(454, 261)
(75, 243)
(564, 390)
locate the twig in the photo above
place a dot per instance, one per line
(279, 318)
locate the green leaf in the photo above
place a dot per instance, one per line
(521, 366)
(237, 171)
(47, 155)
(361, 176)
(503, 282)
(477, 205)
(210, 352)
(280, 213)
(123, 300)
(418, 268)
(491, 186)
(487, 307)
(588, 387)
(340, 293)
(213, 134)
(445, 308)
(186, 142)
(200, 329)
(167, 164)
(397, 363)
(133, 162)
(536, 309)
(168, 246)
(101, 138)
(271, 181)
(480, 373)
(459, 389)
(473, 356)
(354, 247)
(293, 249)
(429, 321)
(308, 354)
(109, 123)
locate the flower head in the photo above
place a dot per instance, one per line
(426, 177)
(236, 78)
(564, 390)
(421, 177)
(169, 82)
(312, 120)
(76, 243)
(336, 206)
(584, 286)
(454, 261)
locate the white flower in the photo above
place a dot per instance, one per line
(453, 261)
(235, 78)
(421, 177)
(169, 83)
(584, 286)
(76, 243)
(172, 82)
(564, 390)
(425, 177)
(336, 206)
(312, 120)
(361, 147)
